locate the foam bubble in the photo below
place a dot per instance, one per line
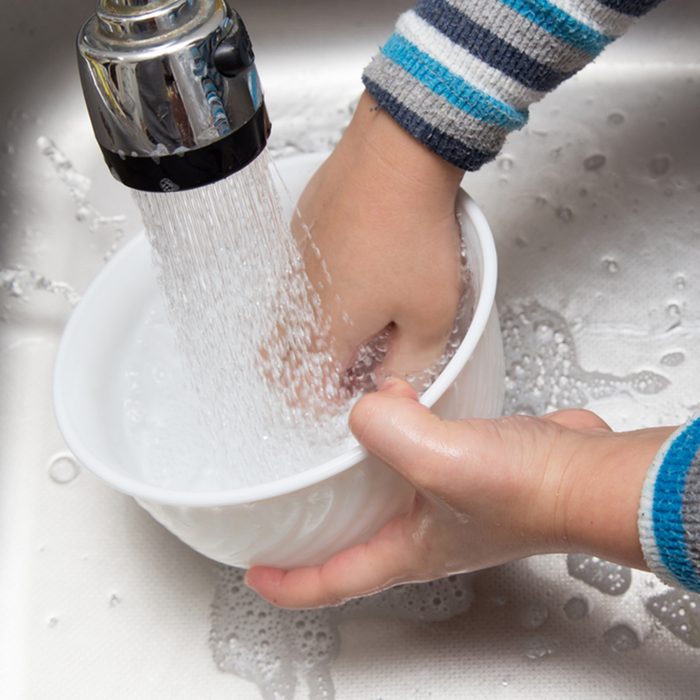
(276, 649)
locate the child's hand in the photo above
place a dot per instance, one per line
(489, 491)
(381, 213)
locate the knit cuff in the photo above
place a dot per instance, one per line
(459, 75)
(669, 512)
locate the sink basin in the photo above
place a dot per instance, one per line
(594, 208)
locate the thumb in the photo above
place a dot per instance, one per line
(403, 433)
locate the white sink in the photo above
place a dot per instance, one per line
(595, 210)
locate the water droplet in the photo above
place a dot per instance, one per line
(675, 609)
(533, 616)
(539, 648)
(659, 165)
(680, 282)
(673, 310)
(63, 469)
(8, 149)
(621, 638)
(565, 214)
(114, 600)
(595, 161)
(52, 622)
(673, 359)
(607, 577)
(611, 265)
(506, 163)
(576, 608)
(616, 118)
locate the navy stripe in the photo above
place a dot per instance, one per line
(450, 149)
(634, 8)
(489, 47)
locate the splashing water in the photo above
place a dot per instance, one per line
(542, 369)
(248, 323)
(262, 396)
(79, 185)
(18, 282)
(277, 648)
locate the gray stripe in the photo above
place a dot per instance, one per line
(691, 512)
(528, 37)
(433, 108)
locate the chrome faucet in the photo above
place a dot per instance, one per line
(172, 91)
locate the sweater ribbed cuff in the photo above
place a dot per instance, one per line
(669, 511)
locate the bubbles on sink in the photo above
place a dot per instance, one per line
(276, 648)
(680, 282)
(602, 575)
(595, 162)
(679, 612)
(673, 359)
(621, 638)
(659, 165)
(576, 608)
(63, 469)
(542, 369)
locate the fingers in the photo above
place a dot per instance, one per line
(578, 419)
(405, 434)
(385, 560)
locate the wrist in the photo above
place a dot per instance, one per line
(602, 490)
(377, 150)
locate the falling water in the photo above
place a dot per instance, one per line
(264, 396)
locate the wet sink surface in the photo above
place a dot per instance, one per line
(595, 210)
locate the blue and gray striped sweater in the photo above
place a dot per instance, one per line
(459, 75)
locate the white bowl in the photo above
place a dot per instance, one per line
(296, 521)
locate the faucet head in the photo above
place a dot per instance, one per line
(172, 91)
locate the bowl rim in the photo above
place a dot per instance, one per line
(260, 492)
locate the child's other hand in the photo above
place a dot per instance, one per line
(488, 491)
(381, 211)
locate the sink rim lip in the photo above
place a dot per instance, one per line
(148, 492)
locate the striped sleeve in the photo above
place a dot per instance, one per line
(459, 75)
(669, 512)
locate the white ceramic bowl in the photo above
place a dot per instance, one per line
(300, 520)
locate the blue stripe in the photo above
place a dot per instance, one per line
(489, 47)
(447, 147)
(667, 512)
(561, 25)
(634, 8)
(450, 86)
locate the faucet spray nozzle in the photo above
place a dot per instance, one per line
(172, 91)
